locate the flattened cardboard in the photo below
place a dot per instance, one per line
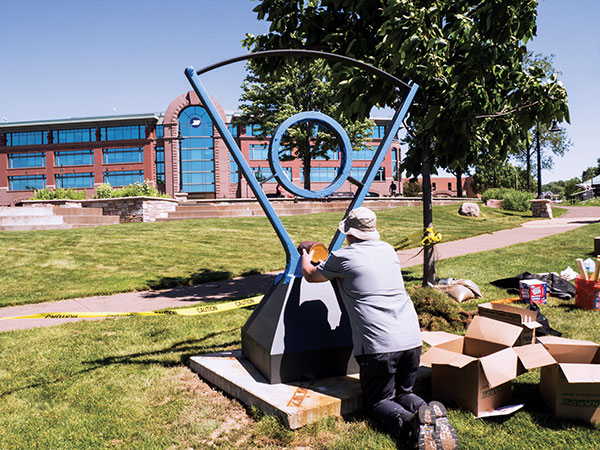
(524, 318)
(571, 386)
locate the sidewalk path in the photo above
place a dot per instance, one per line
(575, 217)
(256, 284)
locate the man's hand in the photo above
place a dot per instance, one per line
(308, 270)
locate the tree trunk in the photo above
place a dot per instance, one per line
(459, 189)
(428, 260)
(306, 172)
(529, 168)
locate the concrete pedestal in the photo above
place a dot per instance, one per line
(296, 404)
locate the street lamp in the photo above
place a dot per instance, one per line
(554, 128)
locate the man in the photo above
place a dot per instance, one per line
(385, 331)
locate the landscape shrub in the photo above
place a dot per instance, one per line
(512, 199)
(58, 194)
(133, 190)
(517, 200)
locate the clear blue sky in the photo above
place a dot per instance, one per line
(70, 58)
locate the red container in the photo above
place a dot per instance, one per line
(533, 291)
(587, 294)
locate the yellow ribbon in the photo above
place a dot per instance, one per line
(430, 237)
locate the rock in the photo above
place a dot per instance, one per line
(492, 203)
(469, 209)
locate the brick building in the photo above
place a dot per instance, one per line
(179, 151)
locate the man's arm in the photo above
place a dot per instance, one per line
(309, 271)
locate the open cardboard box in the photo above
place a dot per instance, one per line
(475, 371)
(524, 318)
(571, 386)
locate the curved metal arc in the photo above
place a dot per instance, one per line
(330, 56)
(292, 255)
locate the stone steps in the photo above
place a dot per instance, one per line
(52, 218)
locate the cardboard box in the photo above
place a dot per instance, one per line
(521, 317)
(571, 386)
(533, 291)
(475, 371)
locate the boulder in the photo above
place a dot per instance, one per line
(469, 209)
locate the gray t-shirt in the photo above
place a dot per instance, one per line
(382, 315)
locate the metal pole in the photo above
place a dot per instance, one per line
(539, 162)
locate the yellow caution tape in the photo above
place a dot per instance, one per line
(192, 311)
(430, 237)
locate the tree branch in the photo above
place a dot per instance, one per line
(505, 113)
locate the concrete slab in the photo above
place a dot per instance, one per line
(296, 404)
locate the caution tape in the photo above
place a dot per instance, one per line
(430, 237)
(192, 311)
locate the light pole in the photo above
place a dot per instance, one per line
(554, 128)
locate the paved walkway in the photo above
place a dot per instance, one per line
(256, 284)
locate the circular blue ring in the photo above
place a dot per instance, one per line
(345, 157)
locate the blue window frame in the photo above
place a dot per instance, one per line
(321, 174)
(27, 138)
(252, 130)
(197, 153)
(74, 158)
(233, 129)
(395, 153)
(160, 131)
(359, 172)
(80, 135)
(332, 154)
(122, 155)
(262, 173)
(378, 131)
(160, 164)
(366, 153)
(25, 160)
(26, 182)
(75, 180)
(259, 151)
(124, 178)
(234, 171)
(119, 133)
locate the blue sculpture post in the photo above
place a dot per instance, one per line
(299, 330)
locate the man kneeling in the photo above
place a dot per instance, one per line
(385, 332)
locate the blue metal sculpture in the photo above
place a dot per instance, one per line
(299, 330)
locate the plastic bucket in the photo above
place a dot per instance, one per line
(587, 294)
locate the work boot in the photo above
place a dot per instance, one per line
(445, 433)
(424, 429)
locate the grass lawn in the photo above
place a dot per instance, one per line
(51, 265)
(124, 383)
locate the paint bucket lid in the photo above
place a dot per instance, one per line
(320, 252)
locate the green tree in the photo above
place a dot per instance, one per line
(268, 98)
(555, 143)
(475, 97)
(590, 172)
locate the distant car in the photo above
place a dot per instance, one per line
(372, 194)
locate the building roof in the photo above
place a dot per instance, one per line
(76, 121)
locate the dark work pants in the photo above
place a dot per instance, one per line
(387, 381)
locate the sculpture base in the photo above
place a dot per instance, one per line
(296, 404)
(300, 331)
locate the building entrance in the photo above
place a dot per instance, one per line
(197, 153)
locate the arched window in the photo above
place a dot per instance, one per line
(197, 150)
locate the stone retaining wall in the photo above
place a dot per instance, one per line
(129, 209)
